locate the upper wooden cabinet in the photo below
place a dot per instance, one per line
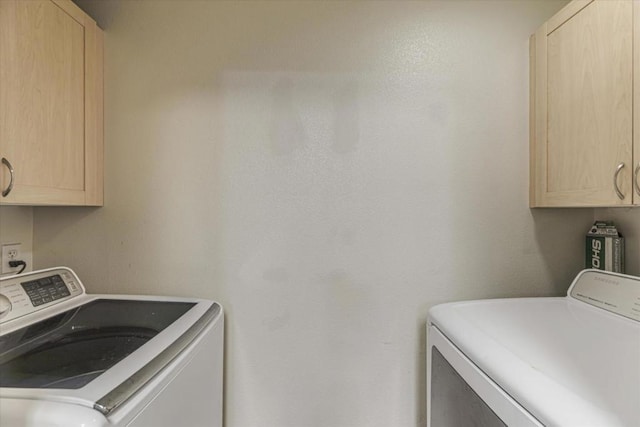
(583, 106)
(51, 129)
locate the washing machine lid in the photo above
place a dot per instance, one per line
(91, 350)
(568, 362)
(72, 348)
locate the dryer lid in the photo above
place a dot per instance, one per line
(566, 362)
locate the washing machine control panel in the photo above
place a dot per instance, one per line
(26, 293)
(46, 289)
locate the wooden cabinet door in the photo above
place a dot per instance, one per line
(636, 103)
(583, 110)
(48, 80)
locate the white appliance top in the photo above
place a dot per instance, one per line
(60, 344)
(570, 361)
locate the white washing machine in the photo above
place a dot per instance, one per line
(568, 361)
(72, 359)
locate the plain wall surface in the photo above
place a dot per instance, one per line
(327, 171)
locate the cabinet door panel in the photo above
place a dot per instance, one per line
(49, 120)
(636, 102)
(584, 129)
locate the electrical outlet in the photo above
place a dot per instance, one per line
(10, 252)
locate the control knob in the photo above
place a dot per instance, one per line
(5, 306)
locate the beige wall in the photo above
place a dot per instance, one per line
(326, 170)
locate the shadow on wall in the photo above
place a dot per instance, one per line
(103, 15)
(52, 222)
(554, 228)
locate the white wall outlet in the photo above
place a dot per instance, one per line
(10, 252)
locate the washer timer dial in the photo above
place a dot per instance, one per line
(5, 306)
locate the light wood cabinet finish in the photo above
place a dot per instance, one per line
(636, 103)
(582, 110)
(50, 103)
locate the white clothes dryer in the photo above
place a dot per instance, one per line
(568, 361)
(70, 359)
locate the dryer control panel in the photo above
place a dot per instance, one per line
(26, 293)
(614, 292)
